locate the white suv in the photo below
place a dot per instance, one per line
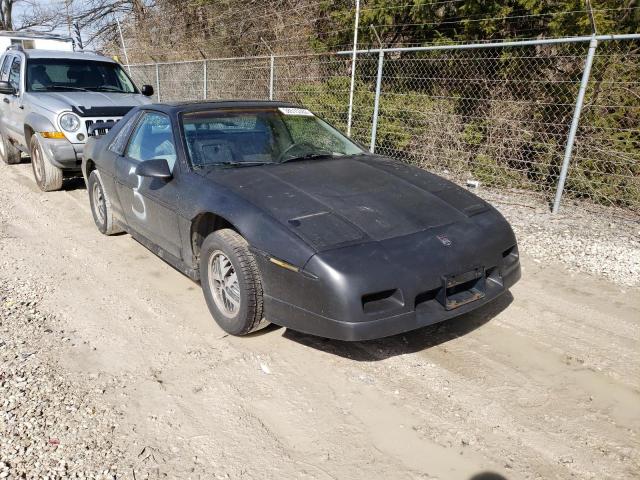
(52, 101)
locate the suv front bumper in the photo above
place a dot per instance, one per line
(62, 153)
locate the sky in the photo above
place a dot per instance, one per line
(21, 8)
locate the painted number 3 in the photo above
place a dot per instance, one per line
(138, 198)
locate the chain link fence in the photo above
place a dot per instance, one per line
(497, 114)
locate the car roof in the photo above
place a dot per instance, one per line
(92, 57)
(195, 106)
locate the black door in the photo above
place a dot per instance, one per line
(149, 204)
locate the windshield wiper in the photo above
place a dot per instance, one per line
(308, 156)
(235, 164)
(107, 88)
(65, 87)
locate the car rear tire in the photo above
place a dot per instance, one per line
(101, 205)
(231, 283)
(47, 176)
(10, 154)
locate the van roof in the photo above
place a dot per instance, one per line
(27, 34)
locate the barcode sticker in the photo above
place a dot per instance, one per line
(301, 112)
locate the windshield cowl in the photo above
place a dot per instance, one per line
(311, 157)
(63, 88)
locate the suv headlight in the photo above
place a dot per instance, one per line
(69, 122)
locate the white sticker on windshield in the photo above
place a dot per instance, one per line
(301, 112)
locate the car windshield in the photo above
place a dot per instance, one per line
(59, 74)
(257, 137)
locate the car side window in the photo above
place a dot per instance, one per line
(14, 73)
(153, 138)
(4, 75)
(119, 143)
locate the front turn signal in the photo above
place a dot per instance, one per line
(283, 264)
(52, 135)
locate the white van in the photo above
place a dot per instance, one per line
(32, 40)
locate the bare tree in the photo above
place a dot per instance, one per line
(6, 14)
(97, 18)
(33, 15)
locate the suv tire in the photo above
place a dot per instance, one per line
(231, 283)
(47, 176)
(10, 154)
(101, 205)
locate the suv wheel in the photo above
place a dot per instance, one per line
(9, 154)
(101, 205)
(231, 283)
(48, 176)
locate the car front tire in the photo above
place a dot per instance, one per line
(9, 154)
(101, 208)
(231, 283)
(47, 176)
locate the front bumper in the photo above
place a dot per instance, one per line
(427, 313)
(62, 153)
(381, 289)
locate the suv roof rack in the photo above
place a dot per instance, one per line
(18, 48)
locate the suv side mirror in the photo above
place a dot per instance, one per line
(156, 168)
(147, 90)
(6, 88)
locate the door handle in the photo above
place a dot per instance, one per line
(6, 100)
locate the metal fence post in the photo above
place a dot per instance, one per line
(376, 103)
(574, 123)
(271, 74)
(124, 47)
(353, 68)
(204, 63)
(158, 82)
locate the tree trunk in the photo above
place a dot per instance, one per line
(7, 9)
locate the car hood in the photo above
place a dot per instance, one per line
(85, 102)
(331, 203)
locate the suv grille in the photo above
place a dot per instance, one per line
(98, 131)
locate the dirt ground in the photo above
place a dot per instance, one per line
(544, 383)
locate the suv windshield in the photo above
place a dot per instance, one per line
(258, 137)
(55, 74)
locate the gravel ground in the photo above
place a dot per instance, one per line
(52, 424)
(594, 240)
(56, 423)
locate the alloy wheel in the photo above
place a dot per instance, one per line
(223, 283)
(99, 203)
(36, 159)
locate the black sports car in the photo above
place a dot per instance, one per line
(283, 219)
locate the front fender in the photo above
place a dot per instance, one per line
(37, 123)
(262, 231)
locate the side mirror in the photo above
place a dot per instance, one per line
(147, 90)
(6, 88)
(156, 168)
